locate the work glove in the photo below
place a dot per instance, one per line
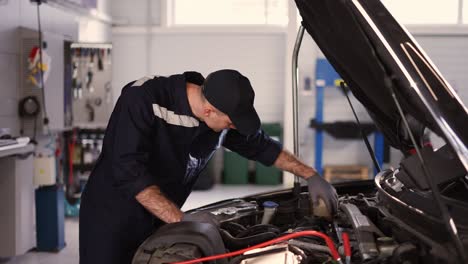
(321, 189)
(202, 217)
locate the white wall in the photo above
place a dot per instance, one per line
(450, 54)
(91, 30)
(258, 56)
(140, 15)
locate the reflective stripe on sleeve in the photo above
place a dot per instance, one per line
(174, 119)
(142, 80)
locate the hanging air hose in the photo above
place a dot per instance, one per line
(41, 70)
(71, 187)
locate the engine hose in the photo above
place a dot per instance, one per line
(257, 229)
(309, 246)
(233, 228)
(233, 243)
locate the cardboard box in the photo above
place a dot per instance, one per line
(341, 173)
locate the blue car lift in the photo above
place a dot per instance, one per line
(326, 76)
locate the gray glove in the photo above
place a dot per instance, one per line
(321, 189)
(202, 217)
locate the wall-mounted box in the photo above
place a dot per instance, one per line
(44, 171)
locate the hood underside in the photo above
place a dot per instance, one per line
(375, 55)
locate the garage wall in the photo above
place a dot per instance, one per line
(450, 54)
(258, 56)
(140, 14)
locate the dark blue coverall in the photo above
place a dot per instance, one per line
(152, 138)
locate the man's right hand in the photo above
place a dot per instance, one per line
(202, 217)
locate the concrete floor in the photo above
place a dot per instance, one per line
(69, 255)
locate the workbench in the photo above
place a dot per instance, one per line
(16, 149)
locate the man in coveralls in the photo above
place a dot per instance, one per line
(161, 134)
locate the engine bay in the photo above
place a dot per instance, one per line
(354, 230)
(371, 226)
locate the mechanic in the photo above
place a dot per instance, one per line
(161, 134)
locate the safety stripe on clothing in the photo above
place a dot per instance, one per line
(142, 80)
(174, 119)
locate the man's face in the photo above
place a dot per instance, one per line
(217, 120)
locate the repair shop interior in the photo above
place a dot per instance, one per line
(233, 131)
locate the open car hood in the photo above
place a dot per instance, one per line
(374, 54)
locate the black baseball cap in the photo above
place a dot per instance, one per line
(231, 93)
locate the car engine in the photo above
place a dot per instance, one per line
(369, 228)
